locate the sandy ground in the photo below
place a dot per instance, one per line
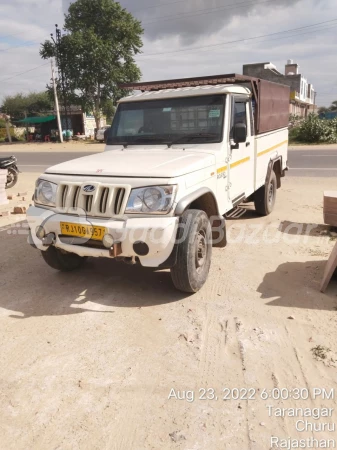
(88, 359)
(21, 194)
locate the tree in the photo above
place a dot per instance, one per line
(323, 110)
(35, 103)
(108, 109)
(97, 52)
(331, 108)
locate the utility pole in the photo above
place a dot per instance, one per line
(60, 67)
(56, 102)
(315, 102)
(27, 133)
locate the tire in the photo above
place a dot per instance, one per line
(12, 178)
(265, 197)
(194, 252)
(65, 262)
(219, 240)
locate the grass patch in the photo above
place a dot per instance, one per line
(320, 352)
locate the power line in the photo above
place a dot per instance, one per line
(298, 34)
(22, 73)
(203, 11)
(235, 41)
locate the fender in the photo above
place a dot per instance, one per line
(271, 166)
(186, 201)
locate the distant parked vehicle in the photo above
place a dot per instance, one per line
(9, 163)
(100, 133)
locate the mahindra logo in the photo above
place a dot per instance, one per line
(89, 188)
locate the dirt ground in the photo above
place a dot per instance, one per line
(88, 359)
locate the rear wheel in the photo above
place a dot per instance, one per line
(12, 178)
(265, 197)
(63, 261)
(194, 252)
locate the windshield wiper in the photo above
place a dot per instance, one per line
(149, 138)
(124, 143)
(192, 136)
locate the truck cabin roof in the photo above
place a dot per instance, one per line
(271, 99)
(186, 92)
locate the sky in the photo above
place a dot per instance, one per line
(186, 38)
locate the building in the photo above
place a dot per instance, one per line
(302, 93)
(79, 122)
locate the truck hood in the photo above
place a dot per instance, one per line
(154, 163)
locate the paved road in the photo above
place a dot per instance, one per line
(313, 163)
(40, 161)
(303, 163)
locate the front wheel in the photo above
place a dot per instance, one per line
(194, 252)
(12, 178)
(265, 197)
(61, 260)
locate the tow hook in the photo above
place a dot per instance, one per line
(116, 250)
(49, 240)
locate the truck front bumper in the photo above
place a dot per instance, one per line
(158, 233)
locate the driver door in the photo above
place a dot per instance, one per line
(241, 171)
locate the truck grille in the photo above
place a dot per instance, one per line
(104, 201)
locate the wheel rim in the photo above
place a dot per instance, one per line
(200, 250)
(271, 193)
(10, 178)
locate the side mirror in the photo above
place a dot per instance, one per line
(240, 133)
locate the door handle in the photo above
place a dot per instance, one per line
(247, 144)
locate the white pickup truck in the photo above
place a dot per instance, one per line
(180, 155)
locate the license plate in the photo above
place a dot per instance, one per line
(82, 231)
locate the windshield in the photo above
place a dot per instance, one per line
(168, 121)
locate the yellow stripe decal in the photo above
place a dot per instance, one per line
(272, 148)
(242, 161)
(222, 169)
(237, 163)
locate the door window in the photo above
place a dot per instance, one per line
(240, 114)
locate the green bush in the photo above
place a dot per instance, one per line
(293, 134)
(315, 130)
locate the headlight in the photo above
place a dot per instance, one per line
(153, 199)
(45, 193)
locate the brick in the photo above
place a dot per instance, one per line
(330, 219)
(19, 210)
(9, 197)
(330, 208)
